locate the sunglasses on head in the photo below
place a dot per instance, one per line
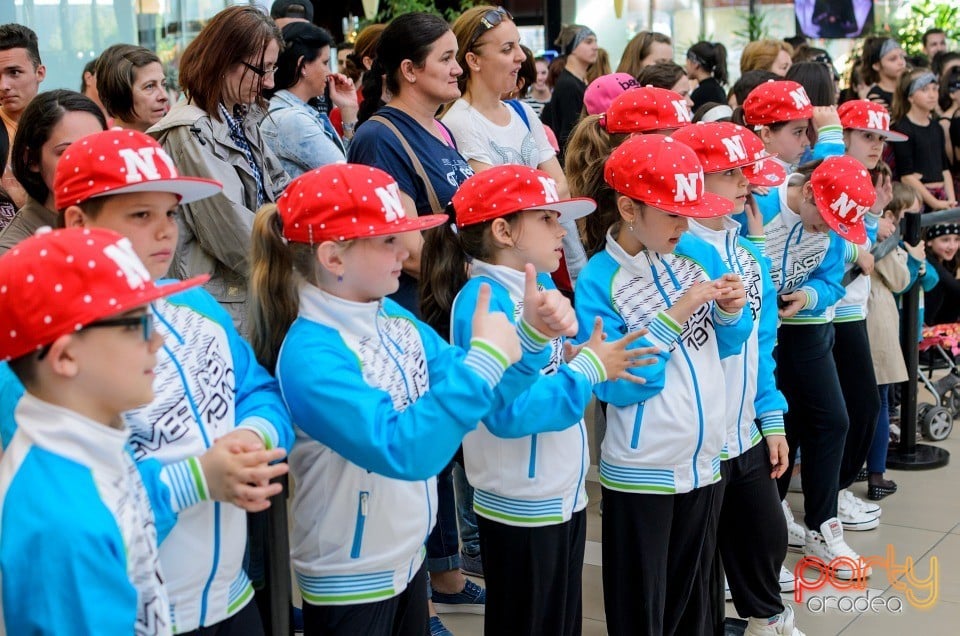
(490, 20)
(144, 321)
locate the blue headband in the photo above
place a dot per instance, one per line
(922, 82)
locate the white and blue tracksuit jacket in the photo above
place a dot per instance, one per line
(664, 436)
(79, 525)
(853, 306)
(381, 404)
(208, 383)
(528, 461)
(752, 393)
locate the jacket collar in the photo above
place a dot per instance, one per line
(790, 217)
(348, 316)
(717, 238)
(641, 264)
(513, 280)
(71, 435)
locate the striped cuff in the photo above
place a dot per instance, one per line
(267, 432)
(830, 135)
(850, 252)
(771, 423)
(811, 297)
(664, 331)
(724, 318)
(760, 242)
(531, 340)
(487, 360)
(187, 483)
(587, 363)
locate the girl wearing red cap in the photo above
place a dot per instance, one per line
(528, 460)
(383, 403)
(660, 458)
(751, 534)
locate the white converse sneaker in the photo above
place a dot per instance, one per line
(852, 515)
(796, 535)
(782, 623)
(867, 507)
(828, 545)
(787, 580)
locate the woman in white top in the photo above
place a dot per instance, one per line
(490, 132)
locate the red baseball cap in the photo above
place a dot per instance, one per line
(345, 201)
(644, 109)
(843, 192)
(776, 101)
(59, 281)
(663, 173)
(602, 91)
(862, 114)
(722, 146)
(511, 188)
(121, 161)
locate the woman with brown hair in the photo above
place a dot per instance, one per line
(767, 55)
(131, 85)
(646, 48)
(214, 133)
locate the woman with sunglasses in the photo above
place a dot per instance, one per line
(491, 132)
(224, 72)
(300, 135)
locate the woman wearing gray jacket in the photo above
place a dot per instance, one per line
(214, 133)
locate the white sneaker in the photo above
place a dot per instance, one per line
(787, 580)
(782, 623)
(796, 534)
(727, 594)
(867, 507)
(851, 514)
(828, 545)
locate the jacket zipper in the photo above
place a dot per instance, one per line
(362, 510)
(532, 469)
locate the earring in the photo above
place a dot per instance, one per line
(340, 278)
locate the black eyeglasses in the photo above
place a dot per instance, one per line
(490, 19)
(144, 321)
(262, 72)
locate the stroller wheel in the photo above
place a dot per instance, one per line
(951, 401)
(936, 423)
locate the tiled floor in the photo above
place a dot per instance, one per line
(921, 521)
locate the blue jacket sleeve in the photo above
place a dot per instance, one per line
(824, 288)
(331, 402)
(829, 143)
(64, 564)
(10, 393)
(594, 299)
(259, 405)
(551, 403)
(769, 402)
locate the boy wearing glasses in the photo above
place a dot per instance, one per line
(80, 519)
(208, 383)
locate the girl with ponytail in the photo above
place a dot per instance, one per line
(707, 64)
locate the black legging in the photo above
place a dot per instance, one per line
(851, 353)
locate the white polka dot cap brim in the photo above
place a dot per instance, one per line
(57, 282)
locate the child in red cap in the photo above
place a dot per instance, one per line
(660, 459)
(527, 460)
(82, 520)
(380, 401)
(209, 384)
(752, 537)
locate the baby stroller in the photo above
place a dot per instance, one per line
(936, 420)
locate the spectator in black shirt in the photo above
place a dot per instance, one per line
(707, 63)
(578, 49)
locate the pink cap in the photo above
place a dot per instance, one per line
(602, 91)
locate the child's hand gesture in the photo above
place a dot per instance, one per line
(733, 296)
(918, 251)
(547, 311)
(699, 294)
(495, 327)
(615, 357)
(884, 189)
(239, 471)
(779, 454)
(791, 303)
(825, 116)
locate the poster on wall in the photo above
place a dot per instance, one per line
(834, 19)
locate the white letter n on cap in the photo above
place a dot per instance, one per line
(842, 206)
(686, 186)
(550, 193)
(128, 262)
(800, 98)
(390, 198)
(141, 164)
(735, 149)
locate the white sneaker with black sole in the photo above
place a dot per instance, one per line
(796, 534)
(828, 545)
(866, 507)
(781, 624)
(852, 515)
(787, 580)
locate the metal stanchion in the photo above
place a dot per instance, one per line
(909, 455)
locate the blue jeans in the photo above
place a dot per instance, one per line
(443, 544)
(466, 517)
(877, 457)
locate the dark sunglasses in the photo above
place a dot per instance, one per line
(490, 20)
(262, 72)
(144, 321)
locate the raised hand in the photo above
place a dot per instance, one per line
(547, 311)
(615, 357)
(495, 327)
(238, 470)
(733, 296)
(825, 116)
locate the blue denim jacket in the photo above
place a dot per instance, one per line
(300, 136)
